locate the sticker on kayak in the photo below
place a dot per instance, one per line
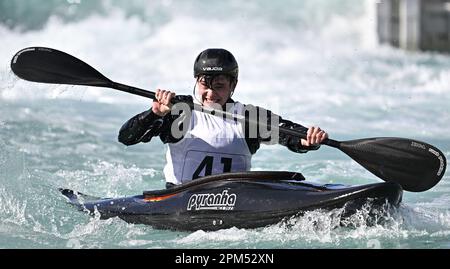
(212, 201)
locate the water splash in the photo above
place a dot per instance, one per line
(314, 229)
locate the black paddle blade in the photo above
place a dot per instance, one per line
(415, 165)
(47, 65)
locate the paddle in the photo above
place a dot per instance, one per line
(415, 165)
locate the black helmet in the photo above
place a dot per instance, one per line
(216, 62)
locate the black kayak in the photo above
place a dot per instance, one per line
(242, 200)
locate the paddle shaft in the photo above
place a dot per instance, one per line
(219, 113)
(132, 90)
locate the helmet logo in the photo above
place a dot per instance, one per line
(217, 68)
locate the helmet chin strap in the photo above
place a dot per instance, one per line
(234, 86)
(196, 97)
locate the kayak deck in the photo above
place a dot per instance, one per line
(243, 200)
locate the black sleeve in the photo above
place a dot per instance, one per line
(140, 128)
(146, 125)
(291, 142)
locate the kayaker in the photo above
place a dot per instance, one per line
(210, 144)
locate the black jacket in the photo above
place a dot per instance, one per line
(146, 125)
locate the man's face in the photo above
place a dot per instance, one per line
(216, 91)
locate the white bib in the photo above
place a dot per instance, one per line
(212, 145)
